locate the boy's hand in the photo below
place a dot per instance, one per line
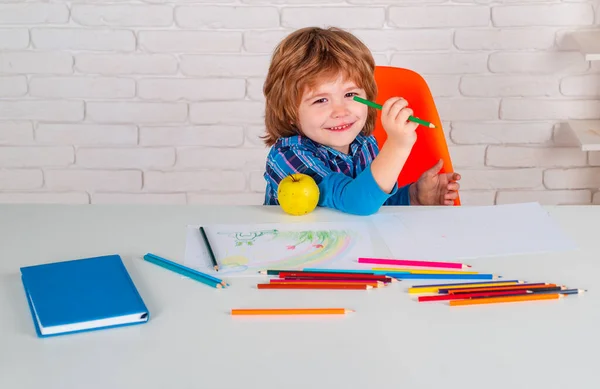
(394, 117)
(433, 188)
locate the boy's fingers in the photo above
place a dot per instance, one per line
(453, 186)
(388, 104)
(404, 114)
(435, 169)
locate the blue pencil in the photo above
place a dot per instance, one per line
(467, 283)
(313, 270)
(411, 276)
(185, 271)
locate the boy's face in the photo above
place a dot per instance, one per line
(328, 114)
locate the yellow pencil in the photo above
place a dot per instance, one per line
(420, 271)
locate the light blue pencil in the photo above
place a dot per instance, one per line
(185, 271)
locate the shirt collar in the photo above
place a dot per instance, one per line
(295, 140)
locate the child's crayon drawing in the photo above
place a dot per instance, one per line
(246, 249)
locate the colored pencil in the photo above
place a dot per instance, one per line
(436, 289)
(506, 299)
(405, 276)
(312, 270)
(564, 291)
(287, 274)
(445, 297)
(402, 262)
(211, 254)
(301, 282)
(341, 271)
(496, 288)
(323, 286)
(273, 272)
(185, 271)
(378, 106)
(292, 311)
(378, 270)
(386, 280)
(468, 284)
(326, 281)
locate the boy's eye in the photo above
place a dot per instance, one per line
(320, 101)
(351, 94)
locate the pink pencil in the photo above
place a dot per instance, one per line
(381, 261)
(328, 281)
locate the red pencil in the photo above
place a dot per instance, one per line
(385, 280)
(322, 286)
(325, 281)
(445, 297)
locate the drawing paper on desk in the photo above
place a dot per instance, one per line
(469, 232)
(243, 250)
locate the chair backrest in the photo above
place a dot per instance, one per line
(431, 143)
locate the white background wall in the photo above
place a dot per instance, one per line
(160, 101)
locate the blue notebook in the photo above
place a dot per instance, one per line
(82, 295)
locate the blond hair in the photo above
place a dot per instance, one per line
(300, 61)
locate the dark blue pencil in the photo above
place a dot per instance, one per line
(564, 291)
(213, 258)
(499, 287)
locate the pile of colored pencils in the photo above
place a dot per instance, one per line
(474, 288)
(485, 291)
(492, 292)
(325, 279)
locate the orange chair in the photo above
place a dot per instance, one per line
(431, 143)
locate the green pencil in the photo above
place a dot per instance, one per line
(410, 118)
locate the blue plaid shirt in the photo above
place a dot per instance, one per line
(345, 180)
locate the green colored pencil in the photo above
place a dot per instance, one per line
(410, 118)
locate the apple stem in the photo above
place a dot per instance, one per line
(293, 178)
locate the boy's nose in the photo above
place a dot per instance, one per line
(339, 110)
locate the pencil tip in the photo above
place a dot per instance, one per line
(431, 125)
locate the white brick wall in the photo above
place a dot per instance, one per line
(161, 101)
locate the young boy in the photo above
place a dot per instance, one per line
(314, 127)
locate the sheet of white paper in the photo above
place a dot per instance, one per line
(446, 234)
(243, 250)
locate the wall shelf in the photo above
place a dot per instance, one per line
(589, 44)
(587, 133)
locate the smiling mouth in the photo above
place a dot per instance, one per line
(343, 127)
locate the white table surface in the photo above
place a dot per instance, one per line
(191, 341)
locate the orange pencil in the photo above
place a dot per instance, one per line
(319, 286)
(507, 299)
(292, 311)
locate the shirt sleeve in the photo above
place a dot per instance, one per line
(401, 197)
(360, 195)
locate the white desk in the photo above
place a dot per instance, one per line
(192, 342)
